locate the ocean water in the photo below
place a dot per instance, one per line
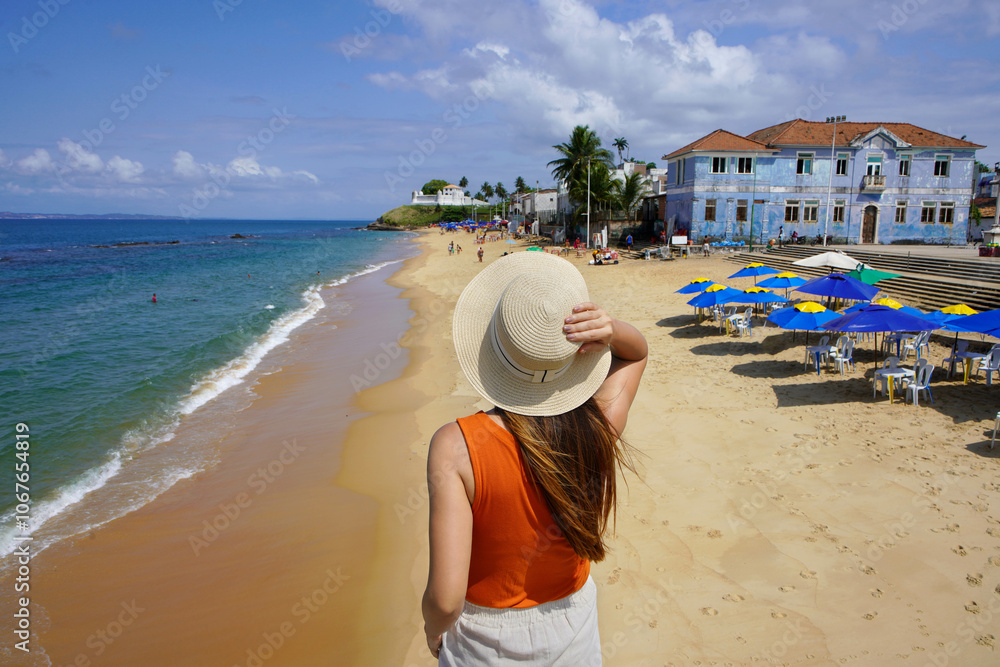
(101, 374)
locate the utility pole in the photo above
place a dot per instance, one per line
(833, 165)
(588, 203)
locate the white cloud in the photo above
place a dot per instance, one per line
(4, 160)
(79, 158)
(125, 170)
(306, 175)
(39, 162)
(248, 166)
(186, 167)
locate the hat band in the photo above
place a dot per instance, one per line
(519, 371)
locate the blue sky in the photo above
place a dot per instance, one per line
(320, 110)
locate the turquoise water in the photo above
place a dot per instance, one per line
(99, 372)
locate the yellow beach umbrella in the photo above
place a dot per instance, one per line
(959, 309)
(886, 301)
(810, 307)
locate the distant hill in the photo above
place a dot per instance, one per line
(7, 215)
(410, 216)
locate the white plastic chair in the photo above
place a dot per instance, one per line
(810, 358)
(744, 325)
(844, 358)
(957, 358)
(915, 344)
(921, 382)
(991, 364)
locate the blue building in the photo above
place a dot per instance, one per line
(890, 182)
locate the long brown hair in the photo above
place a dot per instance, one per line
(572, 457)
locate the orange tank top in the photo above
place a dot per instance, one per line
(519, 556)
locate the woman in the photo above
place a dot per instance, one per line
(520, 496)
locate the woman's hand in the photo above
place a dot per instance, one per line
(590, 326)
(434, 644)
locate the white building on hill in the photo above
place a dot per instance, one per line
(449, 195)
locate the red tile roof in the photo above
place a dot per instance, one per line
(720, 140)
(800, 132)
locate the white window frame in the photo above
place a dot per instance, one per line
(741, 162)
(874, 159)
(907, 161)
(810, 206)
(841, 158)
(725, 164)
(932, 205)
(901, 206)
(948, 206)
(792, 206)
(946, 160)
(804, 164)
(839, 210)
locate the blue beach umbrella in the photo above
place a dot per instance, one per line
(784, 280)
(754, 270)
(986, 322)
(874, 318)
(714, 297)
(805, 316)
(839, 286)
(696, 285)
(757, 295)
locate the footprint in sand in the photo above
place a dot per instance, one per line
(653, 623)
(733, 597)
(876, 592)
(709, 611)
(986, 640)
(615, 575)
(870, 616)
(866, 569)
(786, 589)
(972, 607)
(778, 614)
(974, 579)
(807, 574)
(960, 550)
(715, 534)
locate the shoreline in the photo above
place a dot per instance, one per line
(223, 558)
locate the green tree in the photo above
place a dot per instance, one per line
(520, 185)
(464, 183)
(628, 194)
(583, 148)
(487, 191)
(501, 191)
(433, 187)
(601, 189)
(621, 143)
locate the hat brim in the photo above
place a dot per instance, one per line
(484, 370)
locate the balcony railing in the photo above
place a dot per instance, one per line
(874, 182)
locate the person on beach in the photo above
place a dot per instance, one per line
(154, 297)
(628, 242)
(480, 254)
(520, 496)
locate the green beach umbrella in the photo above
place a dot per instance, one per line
(870, 276)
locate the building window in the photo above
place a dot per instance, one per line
(901, 211)
(927, 212)
(741, 210)
(841, 164)
(680, 172)
(804, 163)
(941, 163)
(718, 165)
(947, 214)
(904, 165)
(874, 165)
(791, 210)
(838, 211)
(810, 211)
(709, 210)
(744, 165)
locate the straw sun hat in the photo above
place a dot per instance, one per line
(509, 338)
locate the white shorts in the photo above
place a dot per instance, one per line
(562, 632)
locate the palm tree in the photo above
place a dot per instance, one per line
(621, 143)
(464, 183)
(520, 185)
(487, 191)
(628, 195)
(583, 148)
(500, 191)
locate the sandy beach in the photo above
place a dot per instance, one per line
(779, 517)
